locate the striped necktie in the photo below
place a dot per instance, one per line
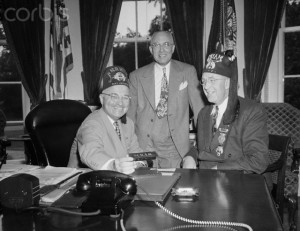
(214, 119)
(162, 107)
(117, 128)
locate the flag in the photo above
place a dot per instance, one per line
(228, 27)
(61, 58)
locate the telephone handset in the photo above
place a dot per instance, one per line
(107, 191)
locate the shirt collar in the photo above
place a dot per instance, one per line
(223, 106)
(110, 119)
(160, 68)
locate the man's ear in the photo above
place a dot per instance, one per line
(101, 99)
(150, 49)
(227, 83)
(173, 49)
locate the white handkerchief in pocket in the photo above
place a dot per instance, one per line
(183, 85)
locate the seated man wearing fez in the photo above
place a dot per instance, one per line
(104, 139)
(232, 132)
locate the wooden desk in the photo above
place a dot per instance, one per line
(223, 196)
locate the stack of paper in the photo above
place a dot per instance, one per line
(54, 175)
(8, 170)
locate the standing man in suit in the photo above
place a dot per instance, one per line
(232, 132)
(161, 94)
(104, 139)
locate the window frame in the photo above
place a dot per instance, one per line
(135, 39)
(3, 42)
(281, 38)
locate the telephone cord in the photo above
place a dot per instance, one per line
(203, 222)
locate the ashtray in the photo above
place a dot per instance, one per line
(185, 194)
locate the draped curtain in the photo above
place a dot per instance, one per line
(262, 21)
(187, 20)
(98, 21)
(24, 28)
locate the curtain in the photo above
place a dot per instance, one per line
(187, 20)
(24, 28)
(98, 21)
(262, 21)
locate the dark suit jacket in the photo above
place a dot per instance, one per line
(183, 91)
(247, 141)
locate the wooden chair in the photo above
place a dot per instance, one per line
(52, 126)
(284, 119)
(278, 149)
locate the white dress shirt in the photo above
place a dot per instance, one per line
(222, 108)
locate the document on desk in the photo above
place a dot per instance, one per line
(47, 175)
(8, 170)
(54, 175)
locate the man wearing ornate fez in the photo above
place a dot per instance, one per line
(104, 139)
(232, 131)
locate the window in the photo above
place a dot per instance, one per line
(10, 84)
(138, 20)
(291, 46)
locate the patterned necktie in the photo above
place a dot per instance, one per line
(117, 129)
(214, 115)
(162, 107)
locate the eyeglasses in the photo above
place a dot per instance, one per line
(116, 98)
(165, 46)
(211, 81)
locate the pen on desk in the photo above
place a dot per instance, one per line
(60, 184)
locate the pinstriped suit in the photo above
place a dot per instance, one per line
(97, 141)
(184, 90)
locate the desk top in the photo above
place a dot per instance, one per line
(223, 196)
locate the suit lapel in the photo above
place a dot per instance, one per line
(219, 136)
(113, 136)
(208, 126)
(147, 82)
(174, 82)
(123, 137)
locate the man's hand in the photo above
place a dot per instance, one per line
(189, 162)
(125, 165)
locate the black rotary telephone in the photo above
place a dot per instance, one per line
(106, 190)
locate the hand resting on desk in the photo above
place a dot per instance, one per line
(189, 162)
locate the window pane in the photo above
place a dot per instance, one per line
(147, 11)
(292, 53)
(292, 13)
(291, 91)
(144, 54)
(123, 55)
(8, 69)
(11, 101)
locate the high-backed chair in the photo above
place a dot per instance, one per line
(278, 149)
(284, 119)
(52, 127)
